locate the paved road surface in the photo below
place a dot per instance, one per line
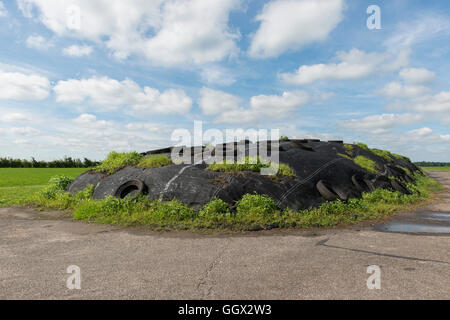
(37, 248)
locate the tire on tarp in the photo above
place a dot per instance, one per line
(328, 192)
(130, 188)
(400, 187)
(360, 183)
(84, 180)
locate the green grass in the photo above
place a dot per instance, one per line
(383, 154)
(252, 211)
(349, 149)
(362, 145)
(117, 160)
(346, 156)
(436, 168)
(367, 164)
(286, 171)
(155, 161)
(19, 184)
(254, 164)
(17, 177)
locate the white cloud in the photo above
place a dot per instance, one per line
(3, 12)
(398, 90)
(445, 137)
(422, 132)
(378, 124)
(293, 24)
(146, 126)
(168, 32)
(38, 42)
(77, 51)
(21, 131)
(354, 64)
(432, 107)
(110, 94)
(14, 117)
(266, 108)
(20, 86)
(418, 30)
(215, 101)
(217, 75)
(417, 75)
(437, 106)
(90, 120)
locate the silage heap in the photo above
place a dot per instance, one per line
(324, 171)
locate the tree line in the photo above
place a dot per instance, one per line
(66, 162)
(432, 164)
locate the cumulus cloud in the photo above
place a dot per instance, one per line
(168, 32)
(215, 101)
(20, 131)
(14, 117)
(266, 107)
(439, 103)
(422, 132)
(379, 124)
(110, 94)
(38, 42)
(217, 75)
(20, 86)
(417, 75)
(354, 64)
(293, 24)
(90, 120)
(398, 90)
(77, 51)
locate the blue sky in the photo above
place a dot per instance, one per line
(82, 78)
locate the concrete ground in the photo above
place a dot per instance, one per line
(128, 263)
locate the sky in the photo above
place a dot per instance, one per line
(81, 78)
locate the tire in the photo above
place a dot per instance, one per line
(400, 187)
(130, 188)
(408, 178)
(360, 183)
(328, 192)
(382, 182)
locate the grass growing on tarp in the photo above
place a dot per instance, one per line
(254, 164)
(386, 155)
(154, 161)
(367, 164)
(252, 212)
(117, 160)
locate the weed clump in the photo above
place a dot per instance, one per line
(117, 160)
(254, 164)
(383, 154)
(155, 161)
(367, 164)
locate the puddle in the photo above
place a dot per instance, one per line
(414, 228)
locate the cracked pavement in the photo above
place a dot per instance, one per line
(133, 263)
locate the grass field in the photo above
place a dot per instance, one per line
(436, 168)
(17, 184)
